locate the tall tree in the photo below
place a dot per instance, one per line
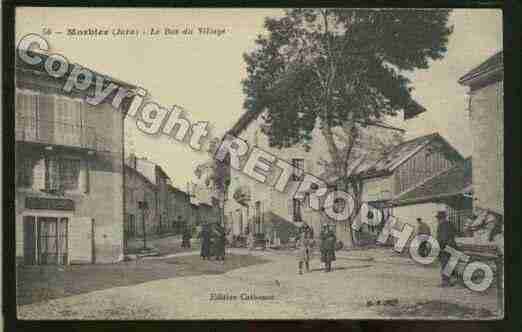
(339, 68)
(215, 174)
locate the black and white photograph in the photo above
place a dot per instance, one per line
(259, 164)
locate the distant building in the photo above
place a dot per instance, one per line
(208, 213)
(179, 209)
(486, 110)
(157, 176)
(138, 188)
(69, 172)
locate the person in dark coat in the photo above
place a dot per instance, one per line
(328, 249)
(186, 236)
(423, 229)
(219, 242)
(322, 244)
(204, 235)
(446, 237)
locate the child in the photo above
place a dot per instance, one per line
(304, 252)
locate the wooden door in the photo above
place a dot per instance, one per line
(81, 241)
(48, 240)
(29, 240)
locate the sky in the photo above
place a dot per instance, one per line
(203, 73)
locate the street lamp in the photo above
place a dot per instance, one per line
(142, 205)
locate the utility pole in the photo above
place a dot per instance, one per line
(189, 196)
(142, 205)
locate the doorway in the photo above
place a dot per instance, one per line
(45, 240)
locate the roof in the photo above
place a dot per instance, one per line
(20, 64)
(140, 175)
(492, 66)
(400, 153)
(176, 190)
(455, 181)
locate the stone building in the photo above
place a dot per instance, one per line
(178, 209)
(260, 208)
(69, 172)
(157, 176)
(486, 110)
(138, 188)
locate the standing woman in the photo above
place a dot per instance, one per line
(331, 240)
(204, 235)
(220, 243)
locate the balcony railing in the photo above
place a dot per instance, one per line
(35, 130)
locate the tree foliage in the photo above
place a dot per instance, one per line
(338, 65)
(339, 68)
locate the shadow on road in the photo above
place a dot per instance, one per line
(343, 268)
(42, 283)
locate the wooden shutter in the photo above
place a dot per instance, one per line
(29, 240)
(80, 240)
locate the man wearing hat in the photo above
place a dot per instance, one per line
(446, 237)
(423, 229)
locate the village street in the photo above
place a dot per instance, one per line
(179, 286)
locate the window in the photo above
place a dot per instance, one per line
(298, 165)
(27, 114)
(70, 173)
(297, 217)
(68, 118)
(62, 173)
(25, 172)
(240, 218)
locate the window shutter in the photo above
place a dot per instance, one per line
(86, 179)
(39, 175)
(290, 205)
(53, 171)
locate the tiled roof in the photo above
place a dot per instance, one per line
(493, 63)
(400, 153)
(140, 175)
(456, 180)
(20, 64)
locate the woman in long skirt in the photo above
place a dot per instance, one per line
(204, 235)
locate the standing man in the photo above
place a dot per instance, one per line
(423, 229)
(304, 246)
(322, 244)
(446, 237)
(330, 243)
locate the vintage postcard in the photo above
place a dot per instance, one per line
(318, 163)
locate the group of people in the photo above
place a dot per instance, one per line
(305, 244)
(213, 239)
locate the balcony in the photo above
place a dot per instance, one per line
(33, 130)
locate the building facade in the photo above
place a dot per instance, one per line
(260, 208)
(179, 210)
(486, 111)
(151, 173)
(138, 188)
(69, 173)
